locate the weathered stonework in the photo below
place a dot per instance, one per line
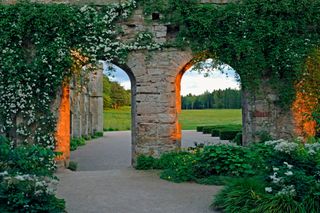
(155, 79)
(87, 106)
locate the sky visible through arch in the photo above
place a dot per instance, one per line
(192, 81)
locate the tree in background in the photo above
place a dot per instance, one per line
(218, 99)
(114, 95)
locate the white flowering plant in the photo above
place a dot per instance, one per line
(293, 168)
(41, 47)
(27, 180)
(32, 193)
(288, 180)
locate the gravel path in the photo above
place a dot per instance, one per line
(105, 183)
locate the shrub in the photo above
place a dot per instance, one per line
(240, 195)
(26, 179)
(180, 169)
(97, 135)
(238, 139)
(207, 129)
(87, 137)
(224, 160)
(279, 203)
(26, 159)
(76, 142)
(215, 132)
(291, 180)
(199, 128)
(228, 134)
(28, 193)
(145, 162)
(73, 166)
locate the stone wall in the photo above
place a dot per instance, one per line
(87, 106)
(263, 115)
(155, 78)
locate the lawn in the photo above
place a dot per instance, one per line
(190, 119)
(120, 119)
(117, 119)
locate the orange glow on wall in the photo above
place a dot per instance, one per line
(302, 108)
(178, 134)
(307, 98)
(63, 127)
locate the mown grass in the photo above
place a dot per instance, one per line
(117, 119)
(190, 119)
(120, 119)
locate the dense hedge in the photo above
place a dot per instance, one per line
(228, 134)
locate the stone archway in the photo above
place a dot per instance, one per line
(157, 129)
(188, 67)
(155, 78)
(154, 74)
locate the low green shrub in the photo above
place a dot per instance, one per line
(180, 169)
(28, 193)
(97, 135)
(199, 128)
(26, 159)
(26, 179)
(87, 137)
(216, 129)
(238, 139)
(146, 162)
(228, 134)
(110, 129)
(240, 195)
(224, 160)
(207, 129)
(73, 166)
(215, 132)
(76, 142)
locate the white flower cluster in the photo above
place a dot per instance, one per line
(312, 148)
(279, 181)
(288, 190)
(282, 145)
(41, 185)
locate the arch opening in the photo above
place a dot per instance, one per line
(208, 97)
(107, 100)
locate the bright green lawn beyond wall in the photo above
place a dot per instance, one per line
(190, 119)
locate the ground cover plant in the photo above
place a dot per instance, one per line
(271, 176)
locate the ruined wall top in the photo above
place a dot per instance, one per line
(100, 2)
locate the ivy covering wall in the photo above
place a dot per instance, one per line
(41, 47)
(260, 39)
(40, 44)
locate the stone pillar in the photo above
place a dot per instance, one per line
(87, 106)
(157, 128)
(95, 88)
(63, 128)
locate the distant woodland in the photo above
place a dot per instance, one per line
(218, 99)
(116, 96)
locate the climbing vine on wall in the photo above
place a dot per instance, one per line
(260, 39)
(41, 46)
